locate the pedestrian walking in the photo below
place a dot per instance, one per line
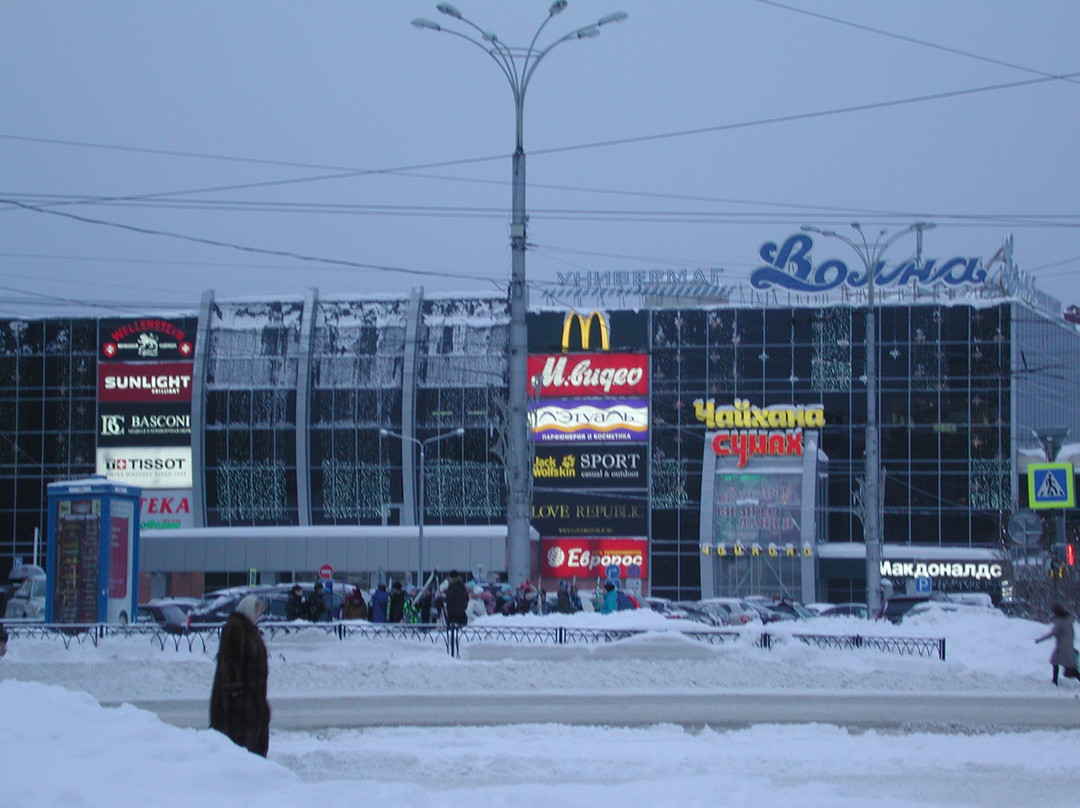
(1064, 655)
(238, 705)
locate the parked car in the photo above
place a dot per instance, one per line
(729, 611)
(792, 610)
(674, 611)
(27, 602)
(170, 614)
(897, 606)
(859, 610)
(215, 607)
(768, 615)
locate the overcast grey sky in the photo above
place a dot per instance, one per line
(211, 144)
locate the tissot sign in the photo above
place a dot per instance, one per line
(589, 557)
(789, 266)
(148, 467)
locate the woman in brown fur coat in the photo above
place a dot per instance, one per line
(238, 706)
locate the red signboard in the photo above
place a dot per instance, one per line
(566, 375)
(589, 557)
(144, 382)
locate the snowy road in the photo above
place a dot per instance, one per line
(854, 710)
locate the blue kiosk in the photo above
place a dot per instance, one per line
(92, 552)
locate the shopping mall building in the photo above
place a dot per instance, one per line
(691, 438)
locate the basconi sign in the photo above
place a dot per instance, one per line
(789, 266)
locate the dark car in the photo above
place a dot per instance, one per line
(897, 606)
(171, 615)
(215, 607)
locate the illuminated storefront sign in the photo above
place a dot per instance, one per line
(148, 467)
(584, 328)
(590, 420)
(788, 266)
(590, 466)
(147, 338)
(138, 382)
(166, 510)
(594, 557)
(608, 374)
(162, 424)
(774, 431)
(942, 569)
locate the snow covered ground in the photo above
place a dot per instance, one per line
(64, 749)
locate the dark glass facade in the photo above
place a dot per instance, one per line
(309, 413)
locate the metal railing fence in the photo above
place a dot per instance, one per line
(452, 637)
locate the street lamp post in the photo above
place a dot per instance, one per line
(421, 504)
(871, 255)
(518, 66)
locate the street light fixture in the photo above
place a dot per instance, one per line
(871, 255)
(421, 504)
(518, 66)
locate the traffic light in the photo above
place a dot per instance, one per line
(1070, 554)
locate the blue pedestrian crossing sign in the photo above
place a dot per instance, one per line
(1050, 485)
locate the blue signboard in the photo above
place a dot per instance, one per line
(1050, 485)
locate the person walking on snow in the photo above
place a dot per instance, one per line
(238, 705)
(1061, 629)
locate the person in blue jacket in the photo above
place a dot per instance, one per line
(380, 602)
(610, 603)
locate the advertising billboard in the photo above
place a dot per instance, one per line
(590, 420)
(78, 552)
(598, 374)
(143, 383)
(157, 424)
(590, 513)
(147, 467)
(593, 465)
(146, 339)
(166, 510)
(589, 557)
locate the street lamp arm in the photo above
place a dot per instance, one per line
(496, 52)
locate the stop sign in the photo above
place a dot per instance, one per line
(326, 572)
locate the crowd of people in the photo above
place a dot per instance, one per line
(451, 601)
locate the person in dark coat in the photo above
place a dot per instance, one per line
(395, 612)
(1064, 655)
(380, 603)
(294, 603)
(238, 706)
(457, 600)
(355, 607)
(315, 607)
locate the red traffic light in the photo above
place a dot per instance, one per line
(1070, 555)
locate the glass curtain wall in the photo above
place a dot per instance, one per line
(358, 359)
(462, 383)
(48, 415)
(250, 434)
